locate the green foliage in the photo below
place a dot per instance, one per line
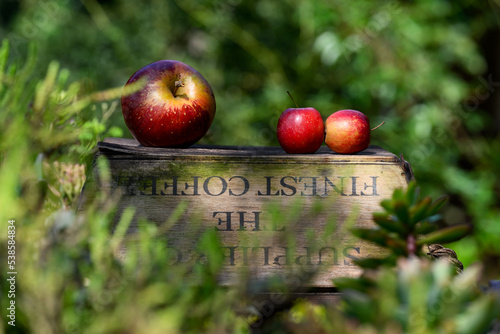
(48, 131)
(423, 66)
(72, 279)
(419, 297)
(405, 292)
(407, 223)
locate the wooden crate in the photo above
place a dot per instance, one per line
(274, 212)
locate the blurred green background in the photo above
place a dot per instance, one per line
(429, 68)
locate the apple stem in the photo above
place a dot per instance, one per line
(177, 85)
(378, 126)
(292, 99)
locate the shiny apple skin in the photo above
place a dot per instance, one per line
(300, 130)
(347, 131)
(157, 117)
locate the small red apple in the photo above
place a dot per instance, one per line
(300, 130)
(347, 131)
(174, 108)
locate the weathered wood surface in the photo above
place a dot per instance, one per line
(238, 191)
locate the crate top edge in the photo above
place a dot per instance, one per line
(130, 148)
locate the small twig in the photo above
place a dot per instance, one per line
(378, 126)
(292, 99)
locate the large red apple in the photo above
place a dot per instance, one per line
(174, 108)
(300, 130)
(347, 131)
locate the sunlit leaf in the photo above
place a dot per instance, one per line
(387, 205)
(449, 234)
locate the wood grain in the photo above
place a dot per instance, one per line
(275, 213)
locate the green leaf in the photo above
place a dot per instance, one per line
(4, 55)
(433, 219)
(399, 195)
(387, 205)
(479, 316)
(378, 236)
(401, 211)
(360, 305)
(38, 167)
(449, 234)
(437, 205)
(425, 228)
(45, 88)
(389, 224)
(418, 212)
(372, 263)
(122, 227)
(358, 284)
(381, 238)
(412, 193)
